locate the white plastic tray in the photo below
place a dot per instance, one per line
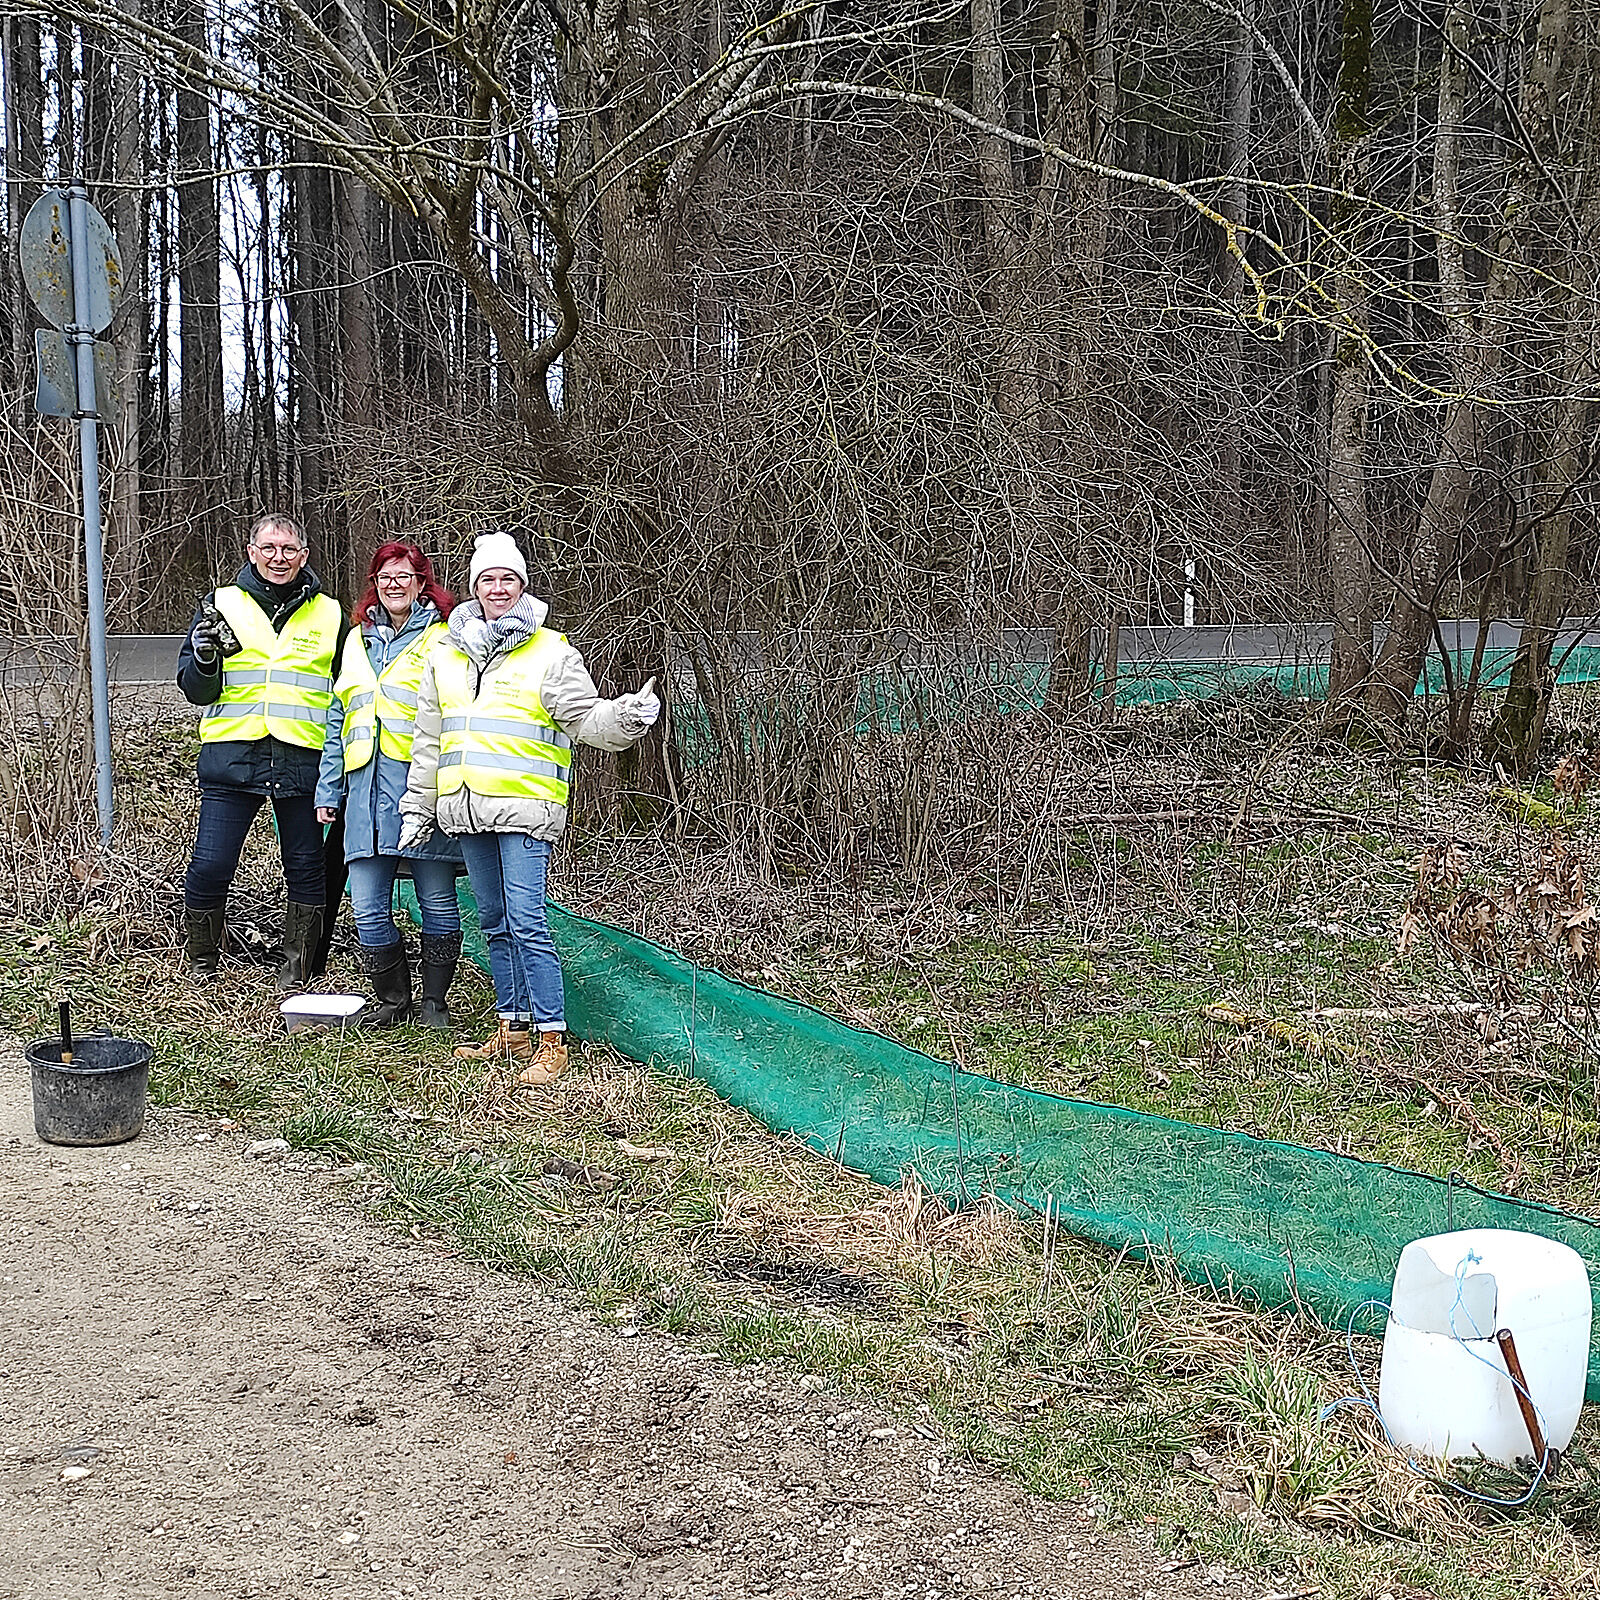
(320, 1010)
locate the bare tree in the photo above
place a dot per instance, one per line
(1349, 566)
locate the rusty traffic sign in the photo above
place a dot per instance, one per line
(46, 258)
(57, 391)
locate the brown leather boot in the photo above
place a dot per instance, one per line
(546, 1064)
(507, 1044)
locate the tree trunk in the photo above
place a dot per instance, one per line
(1438, 530)
(358, 366)
(1349, 564)
(997, 182)
(1066, 243)
(130, 330)
(201, 418)
(269, 470)
(1240, 101)
(1239, 109)
(645, 314)
(1349, 568)
(64, 136)
(312, 330)
(644, 344)
(1518, 730)
(24, 173)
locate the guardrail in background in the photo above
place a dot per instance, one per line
(152, 657)
(131, 658)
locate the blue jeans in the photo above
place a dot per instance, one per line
(508, 872)
(225, 817)
(372, 898)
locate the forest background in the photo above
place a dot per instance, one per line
(862, 369)
(817, 349)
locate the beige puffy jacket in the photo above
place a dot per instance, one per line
(569, 695)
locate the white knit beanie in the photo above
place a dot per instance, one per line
(493, 550)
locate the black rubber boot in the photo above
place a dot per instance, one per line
(202, 937)
(439, 959)
(390, 973)
(302, 933)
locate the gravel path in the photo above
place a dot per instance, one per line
(219, 1379)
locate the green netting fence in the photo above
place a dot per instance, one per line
(1160, 682)
(891, 698)
(895, 699)
(1268, 1221)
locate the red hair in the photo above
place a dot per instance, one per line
(402, 550)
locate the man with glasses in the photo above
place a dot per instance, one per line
(260, 658)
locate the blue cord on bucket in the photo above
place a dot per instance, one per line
(1365, 1402)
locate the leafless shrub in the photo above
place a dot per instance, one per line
(46, 744)
(858, 573)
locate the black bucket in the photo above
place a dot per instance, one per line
(97, 1097)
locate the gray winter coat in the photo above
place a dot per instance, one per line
(569, 695)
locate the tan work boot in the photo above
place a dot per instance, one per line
(547, 1063)
(507, 1044)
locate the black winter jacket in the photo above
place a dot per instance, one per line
(258, 766)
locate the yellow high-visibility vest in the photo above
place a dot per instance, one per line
(382, 703)
(280, 683)
(501, 741)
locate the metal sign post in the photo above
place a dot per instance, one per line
(71, 267)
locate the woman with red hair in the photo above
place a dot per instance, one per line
(365, 763)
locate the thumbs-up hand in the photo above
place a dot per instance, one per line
(639, 712)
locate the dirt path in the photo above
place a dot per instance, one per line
(273, 1396)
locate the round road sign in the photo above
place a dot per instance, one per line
(44, 249)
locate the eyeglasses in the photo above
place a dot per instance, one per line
(280, 552)
(397, 580)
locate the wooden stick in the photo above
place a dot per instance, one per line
(1519, 1385)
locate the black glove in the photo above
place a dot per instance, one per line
(206, 643)
(217, 629)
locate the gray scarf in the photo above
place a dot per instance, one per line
(486, 642)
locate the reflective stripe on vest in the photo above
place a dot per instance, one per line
(279, 683)
(502, 741)
(384, 703)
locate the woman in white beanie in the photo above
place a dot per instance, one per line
(502, 702)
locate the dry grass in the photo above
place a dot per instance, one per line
(1086, 1377)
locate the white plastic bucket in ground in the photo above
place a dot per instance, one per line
(1444, 1390)
(320, 1010)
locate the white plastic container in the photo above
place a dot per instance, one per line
(320, 1010)
(1444, 1390)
